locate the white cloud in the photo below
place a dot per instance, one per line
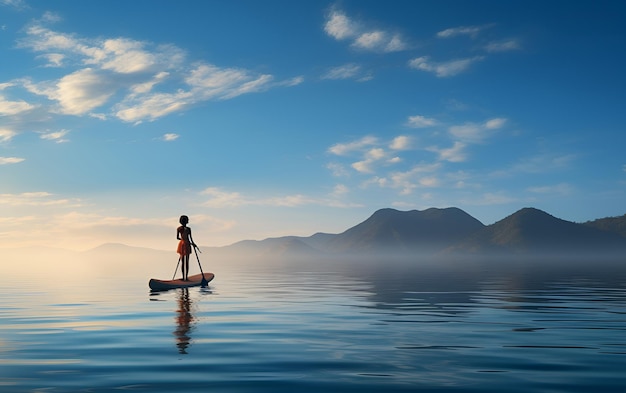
(219, 198)
(379, 41)
(339, 26)
(19, 4)
(6, 135)
(471, 31)
(54, 59)
(130, 72)
(39, 198)
(364, 166)
(210, 81)
(376, 154)
(443, 69)
(503, 46)
(146, 87)
(57, 136)
(401, 142)
(346, 71)
(475, 133)
(11, 108)
(418, 176)
(125, 56)
(77, 93)
(371, 152)
(295, 81)
(170, 137)
(494, 124)
(10, 160)
(456, 153)
(421, 122)
(341, 149)
(152, 106)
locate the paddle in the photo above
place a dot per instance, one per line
(204, 281)
(177, 267)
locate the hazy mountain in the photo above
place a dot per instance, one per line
(386, 231)
(390, 230)
(431, 231)
(531, 230)
(288, 245)
(610, 224)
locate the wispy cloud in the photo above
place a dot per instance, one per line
(341, 27)
(369, 153)
(456, 153)
(401, 142)
(215, 197)
(170, 137)
(77, 93)
(6, 135)
(14, 3)
(127, 77)
(419, 121)
(475, 133)
(471, 31)
(347, 71)
(12, 108)
(10, 160)
(503, 46)
(58, 136)
(39, 198)
(421, 175)
(446, 68)
(345, 148)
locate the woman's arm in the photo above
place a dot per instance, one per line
(191, 238)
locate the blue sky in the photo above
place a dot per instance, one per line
(270, 118)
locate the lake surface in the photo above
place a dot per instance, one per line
(308, 329)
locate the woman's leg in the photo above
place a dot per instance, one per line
(186, 270)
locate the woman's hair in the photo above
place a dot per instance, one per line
(183, 220)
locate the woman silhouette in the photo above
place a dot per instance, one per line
(183, 234)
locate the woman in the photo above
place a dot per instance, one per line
(183, 234)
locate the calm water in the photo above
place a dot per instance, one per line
(315, 330)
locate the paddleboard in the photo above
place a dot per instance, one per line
(194, 281)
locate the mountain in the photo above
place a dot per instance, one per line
(530, 230)
(443, 232)
(386, 231)
(610, 224)
(393, 231)
(275, 247)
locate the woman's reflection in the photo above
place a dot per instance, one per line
(184, 321)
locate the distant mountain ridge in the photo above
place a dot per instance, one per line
(431, 232)
(452, 231)
(610, 224)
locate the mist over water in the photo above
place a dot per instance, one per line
(90, 323)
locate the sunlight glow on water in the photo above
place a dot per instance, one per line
(310, 330)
